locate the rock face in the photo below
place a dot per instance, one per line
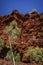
(32, 29)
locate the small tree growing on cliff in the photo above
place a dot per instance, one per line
(13, 33)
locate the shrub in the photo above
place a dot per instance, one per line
(35, 54)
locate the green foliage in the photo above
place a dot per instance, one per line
(8, 28)
(1, 42)
(16, 56)
(14, 23)
(35, 54)
(14, 32)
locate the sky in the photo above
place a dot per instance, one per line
(23, 6)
